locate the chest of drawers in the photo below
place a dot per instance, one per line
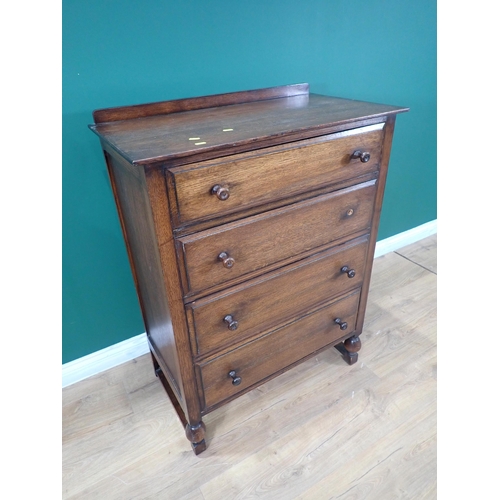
(250, 221)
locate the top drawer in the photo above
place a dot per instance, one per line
(218, 187)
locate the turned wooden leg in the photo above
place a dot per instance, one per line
(349, 349)
(196, 434)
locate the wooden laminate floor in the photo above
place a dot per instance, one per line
(323, 430)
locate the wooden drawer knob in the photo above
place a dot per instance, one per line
(221, 192)
(364, 156)
(232, 324)
(350, 272)
(342, 324)
(227, 262)
(236, 379)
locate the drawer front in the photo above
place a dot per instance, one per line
(266, 302)
(271, 174)
(256, 242)
(267, 355)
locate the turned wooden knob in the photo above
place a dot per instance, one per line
(227, 262)
(232, 324)
(350, 272)
(236, 379)
(342, 324)
(221, 192)
(364, 156)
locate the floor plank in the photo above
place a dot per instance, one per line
(422, 252)
(321, 430)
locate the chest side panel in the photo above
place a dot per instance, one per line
(134, 208)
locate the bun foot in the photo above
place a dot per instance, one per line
(199, 447)
(196, 434)
(349, 349)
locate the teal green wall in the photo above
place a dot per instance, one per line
(130, 52)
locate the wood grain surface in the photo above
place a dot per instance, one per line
(192, 103)
(262, 240)
(322, 430)
(274, 173)
(266, 302)
(160, 135)
(261, 358)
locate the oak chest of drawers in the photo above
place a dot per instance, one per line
(250, 221)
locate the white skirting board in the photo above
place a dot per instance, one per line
(115, 355)
(400, 240)
(102, 360)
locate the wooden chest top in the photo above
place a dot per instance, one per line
(172, 130)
